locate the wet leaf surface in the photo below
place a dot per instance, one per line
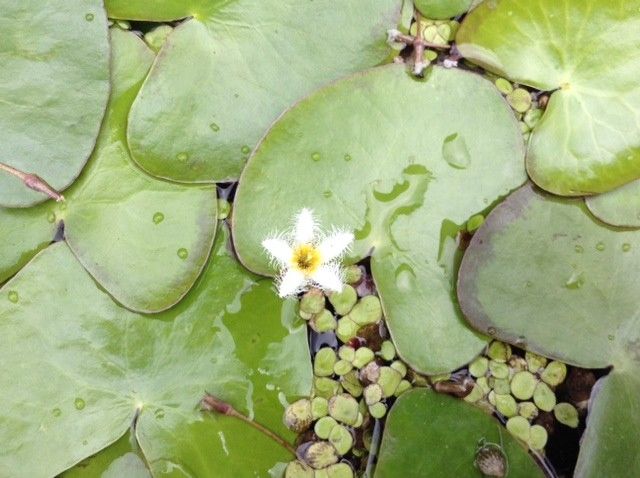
(144, 240)
(87, 367)
(620, 207)
(588, 140)
(431, 434)
(226, 73)
(543, 273)
(54, 85)
(369, 154)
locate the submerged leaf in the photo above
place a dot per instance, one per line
(85, 369)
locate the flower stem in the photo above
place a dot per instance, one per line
(33, 181)
(211, 403)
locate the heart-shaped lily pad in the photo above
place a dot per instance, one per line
(54, 85)
(588, 140)
(225, 74)
(85, 369)
(144, 240)
(620, 207)
(431, 434)
(442, 9)
(404, 164)
(543, 273)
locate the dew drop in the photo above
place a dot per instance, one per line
(600, 246)
(182, 157)
(327, 194)
(13, 296)
(626, 247)
(89, 17)
(79, 403)
(158, 218)
(183, 253)
(315, 156)
(56, 412)
(245, 149)
(579, 249)
(611, 337)
(491, 331)
(576, 281)
(405, 276)
(214, 127)
(347, 157)
(455, 151)
(51, 217)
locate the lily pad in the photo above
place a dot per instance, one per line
(431, 434)
(372, 154)
(88, 369)
(542, 273)
(54, 86)
(442, 9)
(620, 207)
(144, 240)
(226, 73)
(588, 140)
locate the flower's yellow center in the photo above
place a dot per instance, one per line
(306, 259)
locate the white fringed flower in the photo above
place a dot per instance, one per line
(308, 257)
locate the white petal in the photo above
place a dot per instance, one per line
(291, 283)
(328, 277)
(305, 227)
(278, 249)
(334, 245)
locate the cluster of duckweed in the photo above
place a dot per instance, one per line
(520, 388)
(356, 375)
(527, 106)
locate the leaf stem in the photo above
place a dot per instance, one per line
(33, 181)
(211, 403)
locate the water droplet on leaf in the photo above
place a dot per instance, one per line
(327, 194)
(79, 403)
(347, 157)
(579, 249)
(183, 253)
(626, 247)
(491, 331)
(576, 281)
(600, 246)
(245, 149)
(158, 218)
(56, 412)
(405, 277)
(315, 156)
(455, 151)
(13, 296)
(89, 17)
(214, 127)
(182, 157)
